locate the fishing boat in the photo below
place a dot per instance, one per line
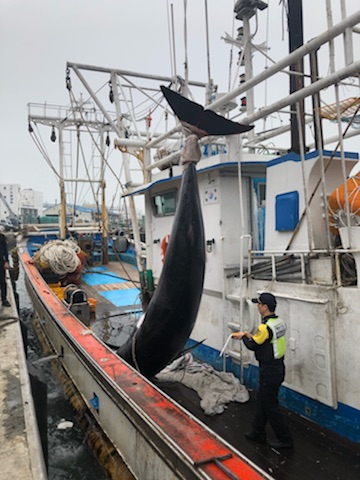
(279, 218)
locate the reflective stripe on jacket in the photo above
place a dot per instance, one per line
(278, 341)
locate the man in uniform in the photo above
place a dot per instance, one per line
(269, 345)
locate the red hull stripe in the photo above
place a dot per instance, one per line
(197, 442)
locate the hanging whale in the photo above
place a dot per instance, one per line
(172, 310)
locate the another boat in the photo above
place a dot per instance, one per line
(268, 227)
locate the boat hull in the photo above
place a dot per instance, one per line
(150, 431)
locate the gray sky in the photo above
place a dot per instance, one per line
(38, 37)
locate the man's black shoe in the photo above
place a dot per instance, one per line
(277, 444)
(254, 437)
(6, 303)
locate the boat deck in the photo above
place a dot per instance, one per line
(115, 289)
(317, 454)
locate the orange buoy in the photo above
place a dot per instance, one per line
(163, 246)
(337, 201)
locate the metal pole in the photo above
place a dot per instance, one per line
(306, 199)
(96, 100)
(348, 45)
(158, 78)
(250, 107)
(319, 141)
(351, 70)
(104, 214)
(295, 22)
(331, 42)
(148, 214)
(310, 46)
(343, 167)
(62, 219)
(173, 39)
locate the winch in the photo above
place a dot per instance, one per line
(76, 300)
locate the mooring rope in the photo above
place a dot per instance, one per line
(60, 256)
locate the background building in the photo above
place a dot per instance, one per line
(31, 205)
(25, 205)
(9, 200)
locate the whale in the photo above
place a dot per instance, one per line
(171, 313)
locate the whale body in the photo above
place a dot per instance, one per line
(172, 311)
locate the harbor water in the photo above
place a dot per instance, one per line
(69, 457)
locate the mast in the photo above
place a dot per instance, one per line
(296, 40)
(104, 214)
(62, 216)
(245, 10)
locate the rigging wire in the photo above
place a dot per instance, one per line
(154, 101)
(96, 145)
(76, 170)
(80, 146)
(40, 146)
(96, 200)
(153, 104)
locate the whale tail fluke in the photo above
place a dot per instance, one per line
(200, 121)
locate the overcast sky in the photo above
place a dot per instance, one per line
(38, 37)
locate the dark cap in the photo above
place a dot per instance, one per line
(266, 299)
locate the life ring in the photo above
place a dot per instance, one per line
(163, 246)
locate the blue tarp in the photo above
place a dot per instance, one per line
(123, 298)
(100, 276)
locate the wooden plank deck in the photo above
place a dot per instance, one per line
(113, 324)
(127, 272)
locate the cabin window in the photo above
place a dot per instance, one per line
(261, 194)
(258, 225)
(164, 203)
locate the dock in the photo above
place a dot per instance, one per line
(21, 455)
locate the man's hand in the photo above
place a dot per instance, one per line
(238, 335)
(6, 265)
